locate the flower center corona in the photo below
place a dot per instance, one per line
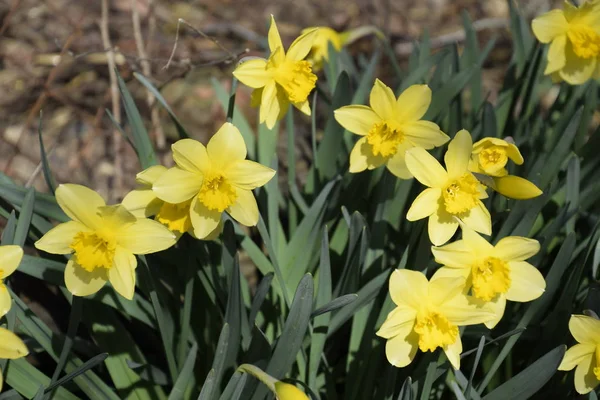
(384, 139)
(297, 79)
(585, 41)
(216, 193)
(461, 195)
(493, 159)
(93, 250)
(490, 277)
(434, 331)
(176, 217)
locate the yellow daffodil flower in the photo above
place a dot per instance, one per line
(11, 347)
(427, 316)
(10, 258)
(281, 390)
(585, 355)
(103, 239)
(489, 157)
(214, 178)
(389, 127)
(452, 195)
(574, 37)
(493, 274)
(283, 79)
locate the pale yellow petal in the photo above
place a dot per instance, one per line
(83, 283)
(5, 300)
(58, 239)
(443, 288)
(478, 219)
(145, 236)
(585, 329)
(516, 248)
(408, 288)
(575, 355)
(115, 217)
(456, 255)
(122, 273)
(397, 163)
(226, 147)
(287, 391)
(498, 305)
(253, 73)
(515, 187)
(399, 322)
(585, 379)
(274, 37)
(269, 105)
(413, 103)
(383, 101)
(453, 352)
(400, 350)
(11, 346)
(10, 258)
(177, 185)
(204, 220)
(425, 168)
(425, 204)
(449, 272)
(425, 134)
(476, 243)
(441, 227)
(248, 175)
(357, 119)
(577, 70)
(458, 155)
(362, 157)
(189, 155)
(300, 47)
(245, 209)
(150, 175)
(556, 55)
(549, 25)
(303, 107)
(460, 311)
(514, 154)
(142, 203)
(80, 204)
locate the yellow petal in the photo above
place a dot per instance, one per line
(453, 352)
(269, 105)
(122, 273)
(585, 379)
(585, 329)
(116, 217)
(556, 55)
(204, 220)
(441, 227)
(58, 239)
(425, 168)
(356, 118)
(383, 101)
(11, 346)
(549, 25)
(527, 283)
(460, 311)
(226, 146)
(458, 155)
(401, 350)
(397, 164)
(456, 255)
(515, 187)
(514, 154)
(516, 248)
(362, 157)
(248, 175)
(150, 175)
(142, 203)
(448, 272)
(190, 155)
(478, 219)
(425, 204)
(399, 322)
(577, 70)
(274, 37)
(245, 209)
(145, 236)
(80, 204)
(10, 258)
(498, 305)
(253, 73)
(425, 134)
(303, 107)
(408, 288)
(81, 282)
(575, 355)
(443, 288)
(413, 103)
(285, 391)
(300, 47)
(177, 185)
(5, 300)
(475, 242)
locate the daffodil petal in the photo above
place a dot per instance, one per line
(575, 355)
(549, 25)
(303, 107)
(475, 242)
(58, 240)
(426, 204)
(400, 350)
(478, 219)
(515, 187)
(362, 157)
(245, 209)
(81, 282)
(441, 227)
(204, 220)
(425, 168)
(10, 258)
(453, 353)
(514, 154)
(145, 236)
(80, 203)
(269, 105)
(253, 73)
(413, 103)
(274, 37)
(383, 101)
(142, 203)
(460, 311)
(408, 288)
(11, 346)
(399, 322)
(584, 329)
(122, 273)
(177, 185)
(357, 119)
(150, 175)
(443, 289)
(226, 147)
(585, 379)
(454, 273)
(425, 134)
(248, 175)
(498, 305)
(577, 70)
(458, 155)
(456, 255)
(300, 47)
(516, 248)
(397, 163)
(5, 300)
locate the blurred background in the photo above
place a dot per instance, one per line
(55, 57)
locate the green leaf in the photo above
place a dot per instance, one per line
(406, 392)
(209, 384)
(89, 364)
(26, 379)
(259, 296)
(185, 376)
(24, 218)
(335, 304)
(44, 158)
(44, 205)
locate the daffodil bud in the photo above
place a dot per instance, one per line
(285, 391)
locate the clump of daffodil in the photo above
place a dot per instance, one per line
(281, 390)
(453, 194)
(585, 355)
(283, 79)
(103, 240)
(493, 274)
(427, 316)
(214, 179)
(11, 347)
(389, 127)
(490, 156)
(574, 37)
(10, 258)
(143, 202)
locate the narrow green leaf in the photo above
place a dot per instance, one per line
(24, 218)
(89, 364)
(185, 376)
(26, 379)
(335, 304)
(207, 389)
(44, 157)
(474, 368)
(259, 296)
(406, 392)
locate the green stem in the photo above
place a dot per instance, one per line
(231, 105)
(187, 309)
